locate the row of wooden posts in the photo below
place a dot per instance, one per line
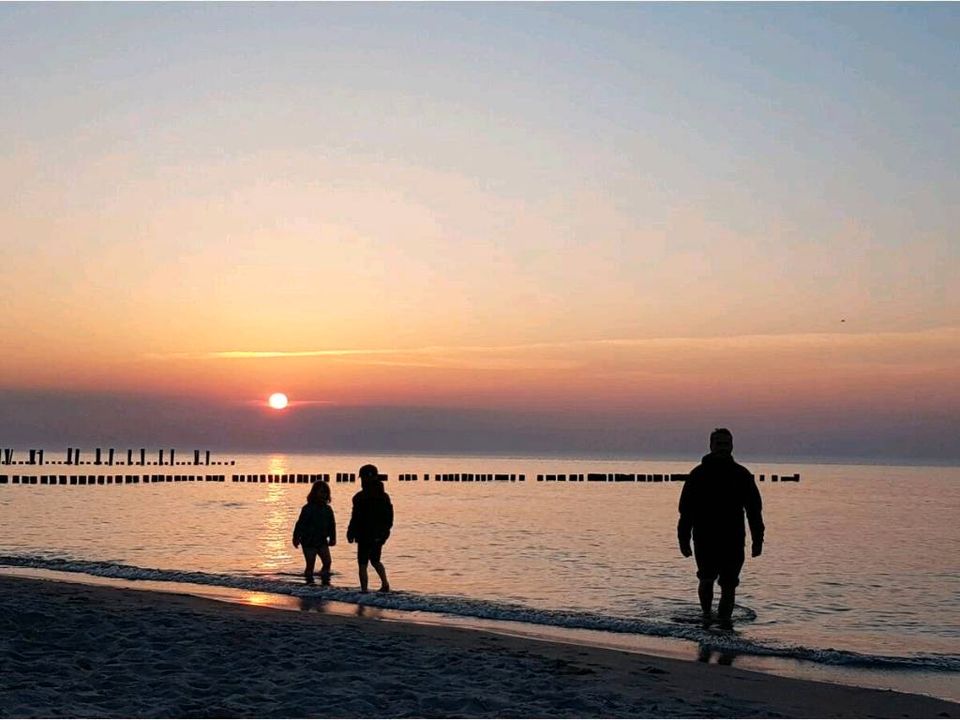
(645, 477)
(110, 456)
(344, 477)
(105, 479)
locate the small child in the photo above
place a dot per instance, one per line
(316, 532)
(370, 525)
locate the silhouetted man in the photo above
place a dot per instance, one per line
(712, 504)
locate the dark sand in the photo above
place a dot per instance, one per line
(70, 650)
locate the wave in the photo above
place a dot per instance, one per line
(678, 627)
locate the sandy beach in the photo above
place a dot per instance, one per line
(71, 650)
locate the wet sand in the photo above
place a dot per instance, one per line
(71, 650)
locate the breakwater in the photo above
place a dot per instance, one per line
(347, 477)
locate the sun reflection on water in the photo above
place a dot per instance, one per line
(278, 465)
(277, 523)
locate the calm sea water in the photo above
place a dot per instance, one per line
(861, 567)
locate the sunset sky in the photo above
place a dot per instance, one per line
(501, 228)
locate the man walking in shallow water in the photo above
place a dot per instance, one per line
(712, 505)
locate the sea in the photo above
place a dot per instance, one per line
(858, 583)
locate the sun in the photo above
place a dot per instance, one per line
(278, 401)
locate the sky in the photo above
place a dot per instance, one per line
(588, 228)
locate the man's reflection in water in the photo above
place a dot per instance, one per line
(707, 654)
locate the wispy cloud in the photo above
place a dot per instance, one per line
(443, 355)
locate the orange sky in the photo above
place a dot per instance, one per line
(617, 221)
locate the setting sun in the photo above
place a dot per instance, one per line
(278, 401)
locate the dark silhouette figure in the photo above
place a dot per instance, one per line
(316, 532)
(370, 525)
(712, 504)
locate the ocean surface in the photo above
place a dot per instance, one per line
(859, 580)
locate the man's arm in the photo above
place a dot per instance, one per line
(754, 507)
(685, 523)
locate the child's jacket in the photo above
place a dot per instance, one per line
(316, 526)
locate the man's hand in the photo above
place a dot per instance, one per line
(333, 541)
(685, 549)
(296, 544)
(757, 549)
(350, 537)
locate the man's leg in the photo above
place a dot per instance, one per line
(728, 596)
(705, 593)
(730, 566)
(707, 575)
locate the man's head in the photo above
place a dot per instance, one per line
(721, 442)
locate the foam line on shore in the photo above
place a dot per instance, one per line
(510, 612)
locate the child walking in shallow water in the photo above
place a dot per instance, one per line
(316, 532)
(370, 525)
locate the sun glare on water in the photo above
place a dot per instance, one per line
(278, 401)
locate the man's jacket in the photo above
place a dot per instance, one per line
(714, 499)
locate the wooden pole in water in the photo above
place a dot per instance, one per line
(196, 457)
(33, 457)
(172, 456)
(110, 457)
(97, 460)
(129, 456)
(208, 457)
(143, 456)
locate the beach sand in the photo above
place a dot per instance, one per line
(72, 650)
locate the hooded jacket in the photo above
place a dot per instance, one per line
(714, 499)
(372, 516)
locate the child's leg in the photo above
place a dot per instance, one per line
(382, 572)
(325, 562)
(362, 558)
(310, 558)
(378, 566)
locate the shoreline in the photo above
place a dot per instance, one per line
(941, 685)
(82, 650)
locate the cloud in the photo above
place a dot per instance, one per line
(938, 344)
